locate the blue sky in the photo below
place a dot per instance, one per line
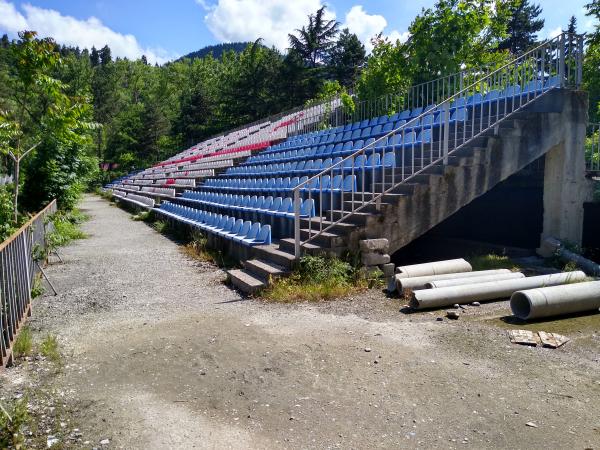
(166, 29)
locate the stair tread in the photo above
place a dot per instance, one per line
(246, 281)
(276, 251)
(266, 266)
(307, 245)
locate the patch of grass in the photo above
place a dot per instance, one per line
(198, 249)
(161, 226)
(66, 228)
(38, 288)
(143, 216)
(320, 278)
(13, 419)
(49, 348)
(491, 262)
(23, 343)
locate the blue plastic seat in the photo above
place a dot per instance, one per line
(366, 132)
(263, 237)
(241, 234)
(250, 235)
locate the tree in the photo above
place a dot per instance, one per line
(523, 26)
(94, 57)
(38, 110)
(572, 27)
(316, 39)
(4, 42)
(105, 55)
(346, 58)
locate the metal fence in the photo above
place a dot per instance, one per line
(592, 149)
(449, 120)
(18, 269)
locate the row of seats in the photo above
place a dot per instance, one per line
(344, 143)
(276, 206)
(239, 231)
(339, 183)
(368, 161)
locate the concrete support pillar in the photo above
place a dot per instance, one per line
(565, 185)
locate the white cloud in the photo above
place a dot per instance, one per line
(68, 30)
(247, 20)
(366, 26)
(273, 20)
(554, 32)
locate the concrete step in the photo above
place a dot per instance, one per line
(339, 228)
(265, 270)
(273, 253)
(311, 248)
(325, 239)
(357, 218)
(245, 281)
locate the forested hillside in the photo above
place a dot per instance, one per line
(77, 107)
(216, 50)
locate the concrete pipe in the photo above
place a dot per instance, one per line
(434, 268)
(437, 298)
(556, 300)
(473, 280)
(420, 282)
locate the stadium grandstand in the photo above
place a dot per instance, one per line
(321, 179)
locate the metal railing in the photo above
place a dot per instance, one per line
(592, 148)
(434, 136)
(18, 270)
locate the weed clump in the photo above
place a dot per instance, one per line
(49, 348)
(492, 262)
(23, 343)
(198, 249)
(13, 420)
(320, 278)
(66, 228)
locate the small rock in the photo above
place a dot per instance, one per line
(475, 304)
(51, 440)
(367, 349)
(104, 442)
(456, 306)
(454, 315)
(531, 424)
(440, 319)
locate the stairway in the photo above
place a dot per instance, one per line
(426, 199)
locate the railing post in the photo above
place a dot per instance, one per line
(561, 60)
(297, 222)
(446, 131)
(579, 60)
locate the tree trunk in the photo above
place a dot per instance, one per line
(16, 199)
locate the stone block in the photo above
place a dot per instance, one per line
(374, 259)
(374, 245)
(388, 269)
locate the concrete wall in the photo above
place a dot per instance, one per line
(553, 125)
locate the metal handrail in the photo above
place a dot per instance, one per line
(17, 271)
(553, 58)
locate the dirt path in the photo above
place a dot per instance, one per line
(161, 354)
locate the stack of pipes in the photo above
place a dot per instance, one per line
(443, 283)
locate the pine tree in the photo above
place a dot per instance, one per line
(94, 57)
(4, 42)
(347, 58)
(144, 60)
(522, 27)
(316, 39)
(105, 55)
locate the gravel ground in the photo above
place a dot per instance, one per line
(160, 353)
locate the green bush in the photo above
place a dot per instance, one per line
(13, 420)
(319, 278)
(6, 211)
(66, 228)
